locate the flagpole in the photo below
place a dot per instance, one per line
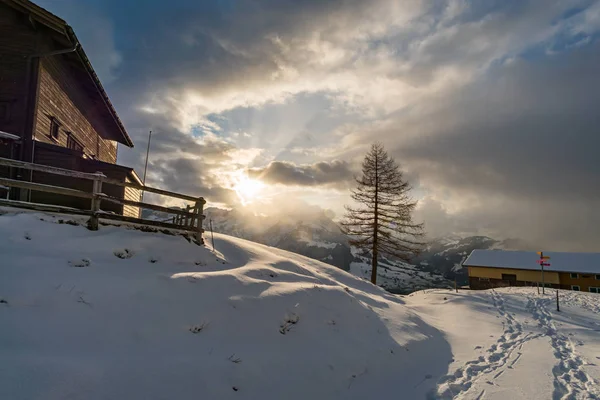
(146, 166)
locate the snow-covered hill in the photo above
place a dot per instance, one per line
(397, 276)
(121, 313)
(315, 235)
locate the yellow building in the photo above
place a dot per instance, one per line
(500, 268)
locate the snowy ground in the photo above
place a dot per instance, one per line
(121, 313)
(513, 344)
(398, 277)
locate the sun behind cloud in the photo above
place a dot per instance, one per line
(248, 189)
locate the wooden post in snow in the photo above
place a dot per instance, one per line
(199, 206)
(212, 237)
(96, 192)
(187, 216)
(557, 305)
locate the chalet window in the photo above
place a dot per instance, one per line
(575, 287)
(598, 277)
(595, 289)
(73, 144)
(54, 126)
(575, 276)
(484, 279)
(509, 277)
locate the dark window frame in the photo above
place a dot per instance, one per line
(576, 276)
(73, 143)
(596, 289)
(576, 286)
(597, 277)
(54, 132)
(509, 277)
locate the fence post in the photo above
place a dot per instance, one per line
(193, 217)
(187, 216)
(200, 210)
(96, 191)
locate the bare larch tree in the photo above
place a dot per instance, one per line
(382, 220)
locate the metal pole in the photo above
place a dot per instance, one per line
(557, 306)
(542, 264)
(455, 285)
(146, 166)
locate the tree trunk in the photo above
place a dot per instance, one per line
(375, 226)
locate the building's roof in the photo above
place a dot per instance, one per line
(57, 24)
(9, 136)
(587, 263)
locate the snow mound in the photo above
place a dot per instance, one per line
(120, 313)
(125, 314)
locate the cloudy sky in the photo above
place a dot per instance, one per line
(491, 107)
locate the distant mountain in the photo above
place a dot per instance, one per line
(445, 255)
(315, 236)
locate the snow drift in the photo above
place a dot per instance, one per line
(119, 313)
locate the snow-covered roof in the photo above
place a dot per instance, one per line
(6, 135)
(560, 262)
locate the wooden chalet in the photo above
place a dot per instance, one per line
(500, 268)
(54, 110)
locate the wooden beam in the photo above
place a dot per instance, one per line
(45, 188)
(140, 221)
(46, 168)
(149, 206)
(43, 207)
(84, 175)
(150, 189)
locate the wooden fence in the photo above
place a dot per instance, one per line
(188, 219)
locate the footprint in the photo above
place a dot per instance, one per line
(124, 253)
(84, 262)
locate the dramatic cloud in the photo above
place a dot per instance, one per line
(490, 107)
(335, 173)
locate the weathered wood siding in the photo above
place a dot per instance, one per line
(56, 156)
(134, 195)
(17, 41)
(61, 96)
